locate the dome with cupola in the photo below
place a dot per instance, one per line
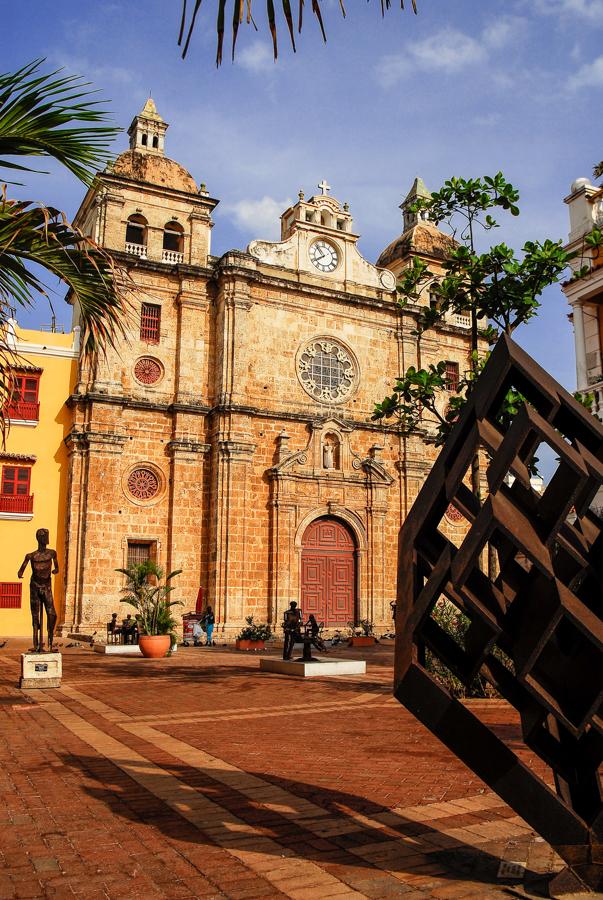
(420, 235)
(145, 160)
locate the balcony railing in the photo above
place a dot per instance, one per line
(21, 410)
(597, 390)
(171, 256)
(136, 250)
(19, 503)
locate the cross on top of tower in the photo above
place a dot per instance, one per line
(324, 187)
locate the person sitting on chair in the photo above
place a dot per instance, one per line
(113, 628)
(291, 625)
(128, 629)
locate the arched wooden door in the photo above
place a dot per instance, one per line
(328, 582)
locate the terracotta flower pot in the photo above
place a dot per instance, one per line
(154, 646)
(249, 645)
(362, 641)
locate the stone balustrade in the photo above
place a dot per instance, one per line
(136, 250)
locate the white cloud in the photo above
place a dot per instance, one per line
(586, 9)
(501, 32)
(589, 75)
(260, 218)
(257, 57)
(449, 50)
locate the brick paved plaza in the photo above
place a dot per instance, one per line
(199, 776)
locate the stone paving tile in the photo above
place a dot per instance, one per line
(231, 790)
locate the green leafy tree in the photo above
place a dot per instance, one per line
(150, 598)
(242, 11)
(52, 115)
(499, 288)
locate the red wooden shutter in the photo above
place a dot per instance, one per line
(10, 594)
(150, 322)
(452, 376)
(15, 480)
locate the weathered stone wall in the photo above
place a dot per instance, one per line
(235, 442)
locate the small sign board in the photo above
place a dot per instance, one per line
(41, 667)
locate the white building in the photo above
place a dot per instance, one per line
(585, 294)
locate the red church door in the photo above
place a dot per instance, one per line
(328, 582)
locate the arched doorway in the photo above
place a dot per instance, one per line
(328, 572)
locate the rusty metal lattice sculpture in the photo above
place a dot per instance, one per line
(535, 625)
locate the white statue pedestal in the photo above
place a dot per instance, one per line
(317, 667)
(41, 670)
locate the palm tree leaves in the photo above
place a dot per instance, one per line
(31, 233)
(54, 115)
(243, 9)
(35, 112)
(151, 601)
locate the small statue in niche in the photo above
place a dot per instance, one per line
(330, 452)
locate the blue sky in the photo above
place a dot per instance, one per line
(464, 88)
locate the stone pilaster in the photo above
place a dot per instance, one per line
(186, 517)
(232, 517)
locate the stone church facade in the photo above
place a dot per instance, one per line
(230, 436)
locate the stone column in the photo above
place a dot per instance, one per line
(186, 517)
(580, 342)
(92, 539)
(283, 558)
(192, 344)
(231, 519)
(75, 530)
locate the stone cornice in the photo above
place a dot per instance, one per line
(221, 409)
(237, 450)
(109, 442)
(186, 447)
(196, 199)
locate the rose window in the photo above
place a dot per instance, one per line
(143, 484)
(326, 370)
(453, 515)
(147, 370)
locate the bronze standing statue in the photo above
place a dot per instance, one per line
(44, 563)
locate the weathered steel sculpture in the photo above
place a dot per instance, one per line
(536, 630)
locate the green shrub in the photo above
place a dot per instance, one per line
(253, 632)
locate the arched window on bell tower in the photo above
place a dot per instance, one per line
(173, 242)
(136, 235)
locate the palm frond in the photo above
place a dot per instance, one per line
(31, 233)
(40, 115)
(187, 24)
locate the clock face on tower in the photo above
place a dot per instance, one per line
(324, 256)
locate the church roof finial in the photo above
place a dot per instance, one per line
(149, 110)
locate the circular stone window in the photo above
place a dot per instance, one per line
(327, 370)
(453, 515)
(143, 484)
(148, 370)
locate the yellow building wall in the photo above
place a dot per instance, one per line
(56, 356)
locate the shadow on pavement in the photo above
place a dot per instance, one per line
(127, 799)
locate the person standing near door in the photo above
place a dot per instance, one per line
(209, 622)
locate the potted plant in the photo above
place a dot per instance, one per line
(150, 598)
(362, 635)
(253, 637)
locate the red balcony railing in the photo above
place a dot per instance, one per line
(16, 503)
(22, 409)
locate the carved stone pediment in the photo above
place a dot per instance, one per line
(329, 454)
